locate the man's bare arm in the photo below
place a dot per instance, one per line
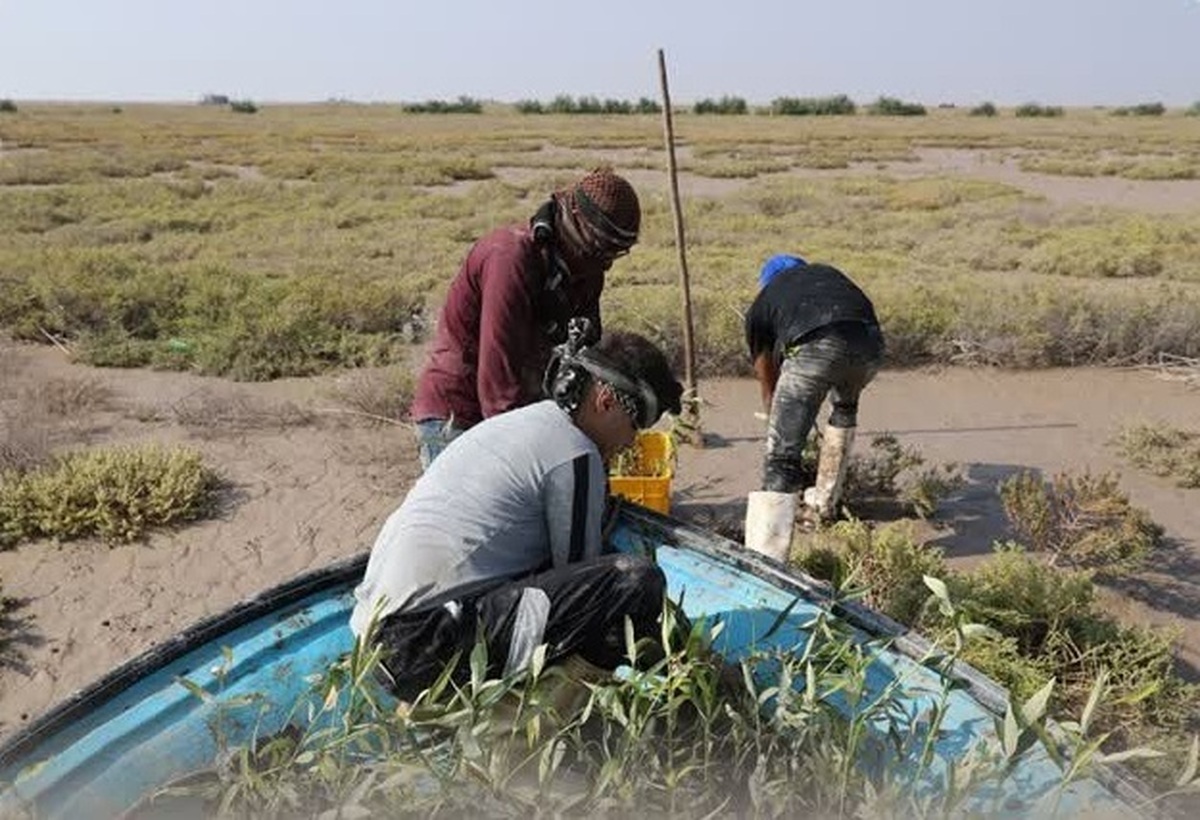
(768, 374)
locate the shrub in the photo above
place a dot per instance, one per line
(588, 104)
(892, 107)
(529, 107)
(383, 395)
(1193, 110)
(1032, 109)
(645, 105)
(1164, 451)
(243, 107)
(888, 563)
(725, 105)
(893, 473)
(814, 106)
(66, 397)
(117, 493)
(1051, 625)
(7, 107)
(1024, 598)
(464, 105)
(562, 104)
(985, 109)
(1154, 109)
(1083, 521)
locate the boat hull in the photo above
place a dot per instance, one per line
(102, 751)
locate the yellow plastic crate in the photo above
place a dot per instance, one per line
(654, 467)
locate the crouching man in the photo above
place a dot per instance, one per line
(500, 539)
(812, 333)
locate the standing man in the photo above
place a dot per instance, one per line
(811, 332)
(511, 301)
(500, 539)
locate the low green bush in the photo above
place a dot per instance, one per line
(1164, 451)
(117, 493)
(1080, 520)
(889, 472)
(886, 565)
(985, 109)
(1053, 625)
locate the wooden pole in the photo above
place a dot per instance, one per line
(691, 411)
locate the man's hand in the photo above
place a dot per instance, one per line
(768, 375)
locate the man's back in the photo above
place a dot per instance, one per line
(800, 300)
(449, 385)
(484, 511)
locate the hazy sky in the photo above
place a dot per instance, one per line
(1063, 52)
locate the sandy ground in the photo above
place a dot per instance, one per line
(993, 424)
(308, 485)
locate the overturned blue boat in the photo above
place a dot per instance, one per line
(101, 753)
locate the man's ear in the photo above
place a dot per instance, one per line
(604, 396)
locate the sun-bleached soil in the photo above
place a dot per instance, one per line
(308, 483)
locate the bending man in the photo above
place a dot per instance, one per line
(511, 301)
(500, 539)
(811, 332)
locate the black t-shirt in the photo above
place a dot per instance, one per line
(800, 300)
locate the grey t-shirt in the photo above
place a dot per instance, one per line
(517, 493)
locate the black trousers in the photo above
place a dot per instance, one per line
(837, 361)
(588, 605)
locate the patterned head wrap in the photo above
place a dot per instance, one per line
(602, 212)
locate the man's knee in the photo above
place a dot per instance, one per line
(639, 570)
(639, 578)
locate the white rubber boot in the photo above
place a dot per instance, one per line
(823, 497)
(770, 519)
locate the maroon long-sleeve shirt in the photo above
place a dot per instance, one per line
(496, 330)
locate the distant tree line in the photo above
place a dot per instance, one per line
(1153, 109)
(1032, 109)
(237, 106)
(836, 105)
(839, 105)
(892, 107)
(463, 105)
(725, 105)
(566, 104)
(8, 107)
(813, 106)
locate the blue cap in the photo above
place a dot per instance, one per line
(777, 265)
